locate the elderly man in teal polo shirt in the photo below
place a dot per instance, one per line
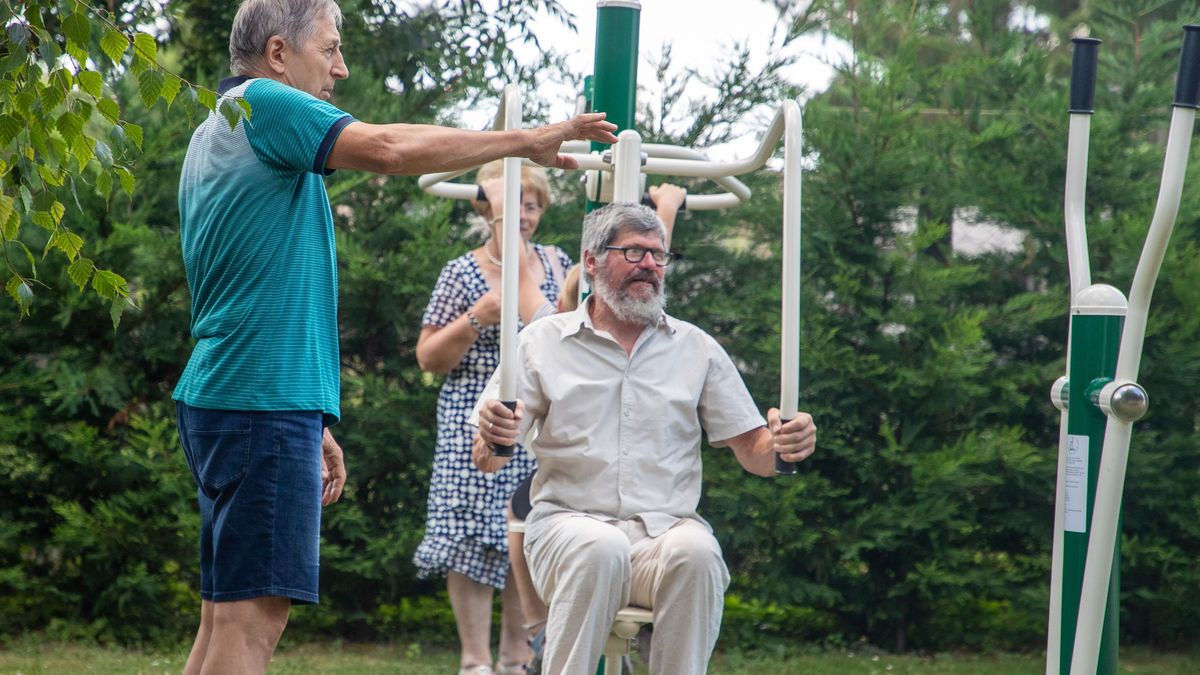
(261, 388)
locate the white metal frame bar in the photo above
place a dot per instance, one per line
(1079, 270)
(509, 271)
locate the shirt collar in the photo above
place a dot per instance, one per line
(581, 318)
(231, 82)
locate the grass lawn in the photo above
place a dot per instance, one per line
(31, 657)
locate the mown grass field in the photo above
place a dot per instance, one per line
(33, 657)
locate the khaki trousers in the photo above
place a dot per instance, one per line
(586, 570)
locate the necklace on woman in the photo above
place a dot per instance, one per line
(495, 261)
(487, 250)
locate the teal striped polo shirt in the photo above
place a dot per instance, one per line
(258, 248)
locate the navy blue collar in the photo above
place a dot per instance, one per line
(231, 82)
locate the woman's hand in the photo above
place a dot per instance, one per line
(487, 308)
(493, 189)
(667, 196)
(483, 457)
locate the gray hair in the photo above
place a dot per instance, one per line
(259, 20)
(602, 226)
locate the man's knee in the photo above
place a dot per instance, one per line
(584, 554)
(259, 620)
(695, 552)
(606, 550)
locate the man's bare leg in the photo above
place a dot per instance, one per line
(196, 657)
(242, 636)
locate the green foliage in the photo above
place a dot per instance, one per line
(923, 522)
(95, 529)
(63, 134)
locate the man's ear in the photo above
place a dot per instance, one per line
(589, 263)
(275, 55)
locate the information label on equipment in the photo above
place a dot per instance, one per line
(1077, 484)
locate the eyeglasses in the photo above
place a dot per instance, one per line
(531, 208)
(634, 254)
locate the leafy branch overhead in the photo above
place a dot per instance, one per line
(63, 134)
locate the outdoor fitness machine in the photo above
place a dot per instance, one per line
(1099, 397)
(618, 174)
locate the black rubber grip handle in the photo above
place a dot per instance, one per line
(783, 468)
(647, 201)
(1083, 75)
(1187, 84)
(506, 450)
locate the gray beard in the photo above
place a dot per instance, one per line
(629, 309)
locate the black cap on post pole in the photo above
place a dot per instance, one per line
(1083, 75)
(1187, 85)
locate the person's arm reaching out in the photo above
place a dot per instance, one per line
(413, 149)
(668, 199)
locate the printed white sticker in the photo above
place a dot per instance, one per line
(1075, 508)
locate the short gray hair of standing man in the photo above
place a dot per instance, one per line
(257, 21)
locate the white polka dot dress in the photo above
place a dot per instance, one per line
(465, 529)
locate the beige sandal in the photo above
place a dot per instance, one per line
(512, 669)
(482, 669)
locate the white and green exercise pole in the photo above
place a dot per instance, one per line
(1099, 397)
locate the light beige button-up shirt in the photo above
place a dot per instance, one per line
(619, 436)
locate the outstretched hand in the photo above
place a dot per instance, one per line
(548, 140)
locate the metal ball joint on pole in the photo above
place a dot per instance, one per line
(619, 175)
(1099, 397)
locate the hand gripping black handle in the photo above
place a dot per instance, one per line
(1187, 84)
(506, 450)
(647, 201)
(783, 468)
(1083, 75)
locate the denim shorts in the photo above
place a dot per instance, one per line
(258, 475)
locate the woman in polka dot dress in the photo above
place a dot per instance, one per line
(465, 529)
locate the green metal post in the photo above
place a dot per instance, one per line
(1096, 322)
(614, 83)
(589, 93)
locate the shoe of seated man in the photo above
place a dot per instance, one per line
(538, 644)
